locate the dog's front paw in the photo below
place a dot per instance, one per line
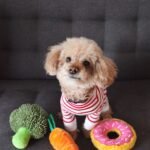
(86, 133)
(74, 134)
(106, 116)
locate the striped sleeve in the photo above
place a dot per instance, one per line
(91, 120)
(69, 121)
(67, 117)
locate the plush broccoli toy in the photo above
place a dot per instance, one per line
(28, 121)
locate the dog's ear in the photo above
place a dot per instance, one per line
(52, 59)
(106, 71)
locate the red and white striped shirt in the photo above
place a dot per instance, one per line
(91, 108)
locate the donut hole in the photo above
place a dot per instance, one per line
(112, 135)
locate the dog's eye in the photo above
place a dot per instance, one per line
(86, 63)
(68, 59)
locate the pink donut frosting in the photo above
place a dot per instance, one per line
(101, 130)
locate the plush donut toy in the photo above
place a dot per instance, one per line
(113, 134)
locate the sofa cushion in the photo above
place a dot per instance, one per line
(28, 27)
(129, 101)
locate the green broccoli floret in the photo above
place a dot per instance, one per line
(28, 121)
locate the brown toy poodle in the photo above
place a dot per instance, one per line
(84, 73)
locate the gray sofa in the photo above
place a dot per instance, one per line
(28, 27)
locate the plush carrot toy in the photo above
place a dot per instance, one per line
(59, 138)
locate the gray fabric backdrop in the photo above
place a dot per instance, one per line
(28, 27)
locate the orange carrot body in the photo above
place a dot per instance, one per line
(62, 140)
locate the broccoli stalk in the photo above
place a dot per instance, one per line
(28, 121)
(21, 138)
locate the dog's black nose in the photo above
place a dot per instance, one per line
(73, 70)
